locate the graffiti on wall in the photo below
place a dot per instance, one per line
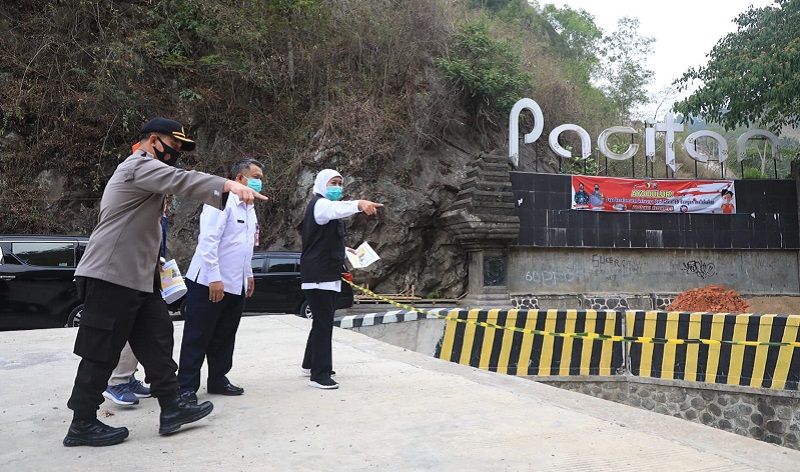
(601, 261)
(604, 268)
(550, 278)
(700, 268)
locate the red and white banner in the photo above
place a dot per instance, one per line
(648, 195)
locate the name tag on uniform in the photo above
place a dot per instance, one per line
(240, 221)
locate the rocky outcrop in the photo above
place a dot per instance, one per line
(415, 247)
(484, 222)
(484, 214)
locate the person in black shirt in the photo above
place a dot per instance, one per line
(321, 267)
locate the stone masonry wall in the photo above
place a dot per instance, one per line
(766, 415)
(652, 301)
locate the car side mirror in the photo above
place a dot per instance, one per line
(1, 256)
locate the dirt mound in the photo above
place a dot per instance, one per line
(785, 305)
(712, 298)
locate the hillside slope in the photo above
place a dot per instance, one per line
(299, 85)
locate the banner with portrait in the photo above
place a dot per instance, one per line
(651, 195)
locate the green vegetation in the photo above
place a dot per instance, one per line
(752, 77)
(364, 86)
(751, 173)
(625, 77)
(488, 71)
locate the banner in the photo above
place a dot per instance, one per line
(649, 195)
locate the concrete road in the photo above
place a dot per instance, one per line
(395, 410)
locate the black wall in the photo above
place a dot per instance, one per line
(546, 219)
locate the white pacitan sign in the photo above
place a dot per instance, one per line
(668, 126)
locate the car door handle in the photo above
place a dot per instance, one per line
(7, 277)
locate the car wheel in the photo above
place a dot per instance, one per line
(74, 318)
(305, 310)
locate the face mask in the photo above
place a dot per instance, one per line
(167, 152)
(334, 193)
(254, 184)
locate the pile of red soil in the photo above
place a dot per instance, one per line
(713, 298)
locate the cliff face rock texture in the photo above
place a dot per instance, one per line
(415, 249)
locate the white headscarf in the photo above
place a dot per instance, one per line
(321, 182)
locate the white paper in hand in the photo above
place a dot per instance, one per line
(363, 257)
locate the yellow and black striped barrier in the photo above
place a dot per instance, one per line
(756, 350)
(531, 342)
(736, 349)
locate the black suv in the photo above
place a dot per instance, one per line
(37, 281)
(277, 278)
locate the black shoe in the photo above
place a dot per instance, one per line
(182, 412)
(93, 433)
(327, 384)
(189, 396)
(229, 389)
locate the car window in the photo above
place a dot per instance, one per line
(258, 264)
(282, 264)
(45, 254)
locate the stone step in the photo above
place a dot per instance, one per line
(490, 176)
(469, 204)
(490, 166)
(486, 195)
(474, 182)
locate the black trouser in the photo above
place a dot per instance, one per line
(112, 315)
(209, 331)
(318, 356)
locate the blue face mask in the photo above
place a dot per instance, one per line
(254, 184)
(334, 193)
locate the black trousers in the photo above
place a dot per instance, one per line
(209, 332)
(318, 355)
(112, 315)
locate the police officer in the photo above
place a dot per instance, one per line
(118, 280)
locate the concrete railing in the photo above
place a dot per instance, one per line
(724, 370)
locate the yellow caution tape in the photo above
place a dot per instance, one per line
(592, 336)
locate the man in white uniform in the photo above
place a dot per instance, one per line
(219, 278)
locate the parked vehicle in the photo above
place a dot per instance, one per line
(277, 285)
(37, 281)
(277, 279)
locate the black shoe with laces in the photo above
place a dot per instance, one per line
(93, 433)
(178, 411)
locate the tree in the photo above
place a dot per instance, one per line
(574, 36)
(488, 71)
(624, 72)
(753, 75)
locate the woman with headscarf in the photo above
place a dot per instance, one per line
(321, 268)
